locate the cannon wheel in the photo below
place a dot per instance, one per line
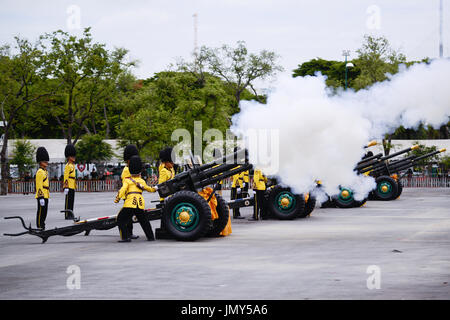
(309, 206)
(220, 223)
(387, 188)
(345, 199)
(187, 216)
(282, 204)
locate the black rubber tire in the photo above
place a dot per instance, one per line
(309, 206)
(379, 195)
(204, 216)
(345, 204)
(220, 223)
(273, 209)
(400, 189)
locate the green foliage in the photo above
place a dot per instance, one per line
(172, 100)
(376, 59)
(238, 68)
(92, 149)
(422, 150)
(23, 156)
(87, 77)
(334, 70)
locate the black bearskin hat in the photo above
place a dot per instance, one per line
(42, 155)
(129, 151)
(135, 165)
(165, 155)
(70, 151)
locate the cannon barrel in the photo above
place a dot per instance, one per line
(381, 161)
(199, 177)
(403, 164)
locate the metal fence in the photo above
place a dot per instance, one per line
(114, 185)
(426, 182)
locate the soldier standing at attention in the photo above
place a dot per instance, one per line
(134, 205)
(42, 187)
(129, 151)
(166, 169)
(69, 181)
(259, 185)
(246, 181)
(236, 193)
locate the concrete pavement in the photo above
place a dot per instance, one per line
(402, 246)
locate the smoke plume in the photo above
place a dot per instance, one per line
(322, 135)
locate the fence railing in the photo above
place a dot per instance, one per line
(426, 182)
(114, 185)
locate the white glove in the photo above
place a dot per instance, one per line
(66, 191)
(156, 188)
(238, 189)
(42, 202)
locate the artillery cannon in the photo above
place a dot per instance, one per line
(385, 170)
(185, 214)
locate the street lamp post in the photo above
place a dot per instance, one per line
(346, 53)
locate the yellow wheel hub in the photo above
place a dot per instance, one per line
(384, 188)
(345, 193)
(285, 202)
(184, 216)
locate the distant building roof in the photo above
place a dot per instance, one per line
(55, 148)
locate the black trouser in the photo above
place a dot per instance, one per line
(125, 219)
(70, 199)
(41, 214)
(234, 196)
(259, 210)
(245, 190)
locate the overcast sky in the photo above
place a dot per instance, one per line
(156, 32)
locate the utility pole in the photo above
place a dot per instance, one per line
(346, 53)
(441, 20)
(195, 16)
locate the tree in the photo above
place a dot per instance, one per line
(89, 73)
(22, 74)
(92, 149)
(236, 66)
(376, 59)
(333, 70)
(23, 156)
(172, 100)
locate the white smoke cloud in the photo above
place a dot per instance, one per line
(322, 136)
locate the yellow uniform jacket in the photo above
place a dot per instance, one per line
(259, 180)
(245, 177)
(165, 173)
(238, 181)
(69, 176)
(132, 193)
(125, 173)
(42, 184)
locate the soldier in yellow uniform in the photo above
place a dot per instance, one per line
(246, 181)
(259, 185)
(217, 155)
(129, 151)
(134, 205)
(42, 187)
(69, 181)
(166, 169)
(236, 193)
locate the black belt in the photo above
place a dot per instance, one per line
(134, 192)
(46, 188)
(72, 178)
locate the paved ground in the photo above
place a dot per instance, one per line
(326, 256)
